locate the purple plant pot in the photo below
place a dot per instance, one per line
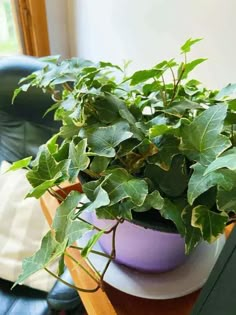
(141, 248)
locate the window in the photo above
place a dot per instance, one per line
(23, 27)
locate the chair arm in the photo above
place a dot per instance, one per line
(62, 297)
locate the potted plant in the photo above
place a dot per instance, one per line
(151, 153)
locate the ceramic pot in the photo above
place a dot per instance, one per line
(142, 248)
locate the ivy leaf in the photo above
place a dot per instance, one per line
(168, 147)
(69, 130)
(65, 227)
(227, 93)
(226, 200)
(121, 185)
(152, 201)
(78, 155)
(172, 211)
(186, 47)
(39, 190)
(144, 75)
(227, 160)
(193, 234)
(90, 244)
(179, 108)
(20, 164)
(188, 67)
(52, 144)
(201, 139)
(99, 164)
(172, 182)
(199, 183)
(103, 140)
(110, 108)
(69, 102)
(210, 223)
(158, 130)
(96, 194)
(118, 210)
(50, 250)
(47, 168)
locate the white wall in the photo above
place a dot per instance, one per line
(148, 31)
(58, 27)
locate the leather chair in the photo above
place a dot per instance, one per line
(22, 131)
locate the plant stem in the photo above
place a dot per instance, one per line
(163, 93)
(71, 285)
(67, 87)
(173, 76)
(82, 267)
(92, 251)
(61, 189)
(55, 195)
(176, 86)
(113, 251)
(232, 134)
(96, 227)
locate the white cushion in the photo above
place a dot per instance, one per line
(22, 227)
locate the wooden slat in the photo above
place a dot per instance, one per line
(33, 21)
(96, 303)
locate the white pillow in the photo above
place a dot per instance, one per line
(22, 227)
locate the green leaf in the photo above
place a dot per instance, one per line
(121, 185)
(69, 130)
(51, 59)
(188, 67)
(144, 75)
(52, 144)
(201, 139)
(69, 102)
(16, 93)
(96, 194)
(65, 227)
(227, 160)
(172, 211)
(110, 108)
(179, 108)
(152, 201)
(61, 266)
(227, 93)
(118, 210)
(109, 64)
(99, 164)
(232, 104)
(78, 155)
(50, 250)
(226, 200)
(158, 130)
(92, 241)
(39, 190)
(20, 164)
(172, 182)
(103, 140)
(199, 182)
(168, 147)
(210, 223)
(47, 168)
(107, 108)
(193, 234)
(186, 47)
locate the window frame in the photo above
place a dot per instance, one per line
(32, 21)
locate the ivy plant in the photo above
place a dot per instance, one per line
(146, 146)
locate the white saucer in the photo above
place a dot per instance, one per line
(179, 282)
